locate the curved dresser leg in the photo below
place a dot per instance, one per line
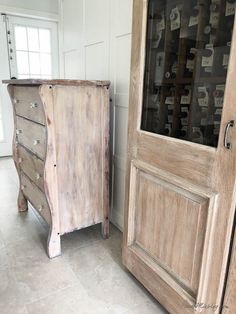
(54, 244)
(22, 202)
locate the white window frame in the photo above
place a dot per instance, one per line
(12, 21)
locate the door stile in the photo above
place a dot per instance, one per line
(223, 177)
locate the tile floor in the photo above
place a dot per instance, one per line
(87, 278)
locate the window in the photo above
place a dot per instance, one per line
(33, 52)
(33, 48)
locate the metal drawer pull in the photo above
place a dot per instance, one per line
(15, 101)
(37, 176)
(36, 142)
(18, 132)
(40, 208)
(33, 105)
(229, 125)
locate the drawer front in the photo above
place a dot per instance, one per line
(36, 197)
(28, 104)
(32, 136)
(32, 166)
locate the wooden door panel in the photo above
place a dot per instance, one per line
(176, 157)
(168, 224)
(180, 195)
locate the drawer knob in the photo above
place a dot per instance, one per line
(20, 160)
(36, 142)
(33, 105)
(40, 208)
(18, 132)
(23, 187)
(15, 101)
(37, 176)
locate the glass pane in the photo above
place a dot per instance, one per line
(21, 38)
(22, 62)
(33, 39)
(187, 53)
(34, 61)
(46, 68)
(45, 40)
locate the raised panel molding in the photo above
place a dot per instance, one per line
(165, 208)
(96, 21)
(123, 13)
(96, 66)
(122, 63)
(72, 68)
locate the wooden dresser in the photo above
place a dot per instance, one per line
(61, 153)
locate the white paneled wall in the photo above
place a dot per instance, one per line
(96, 44)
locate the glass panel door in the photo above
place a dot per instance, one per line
(187, 54)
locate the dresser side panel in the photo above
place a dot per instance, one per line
(79, 129)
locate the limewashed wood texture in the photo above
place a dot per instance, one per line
(180, 200)
(61, 152)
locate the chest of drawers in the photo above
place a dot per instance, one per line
(61, 153)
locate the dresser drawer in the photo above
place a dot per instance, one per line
(28, 104)
(36, 197)
(32, 136)
(32, 166)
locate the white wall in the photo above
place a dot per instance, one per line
(49, 6)
(96, 44)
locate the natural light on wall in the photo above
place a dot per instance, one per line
(1, 127)
(33, 52)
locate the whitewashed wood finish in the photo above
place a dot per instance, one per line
(32, 136)
(73, 169)
(179, 183)
(84, 113)
(28, 103)
(32, 166)
(50, 173)
(21, 200)
(36, 197)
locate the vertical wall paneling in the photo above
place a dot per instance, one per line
(120, 55)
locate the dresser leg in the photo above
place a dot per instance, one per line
(54, 245)
(105, 229)
(22, 202)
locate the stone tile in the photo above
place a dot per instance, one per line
(6, 163)
(105, 279)
(44, 278)
(19, 226)
(2, 244)
(25, 253)
(4, 259)
(80, 238)
(11, 297)
(72, 300)
(147, 307)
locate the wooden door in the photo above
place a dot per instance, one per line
(181, 163)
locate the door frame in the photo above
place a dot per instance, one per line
(211, 280)
(5, 103)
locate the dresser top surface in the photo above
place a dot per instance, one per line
(57, 82)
